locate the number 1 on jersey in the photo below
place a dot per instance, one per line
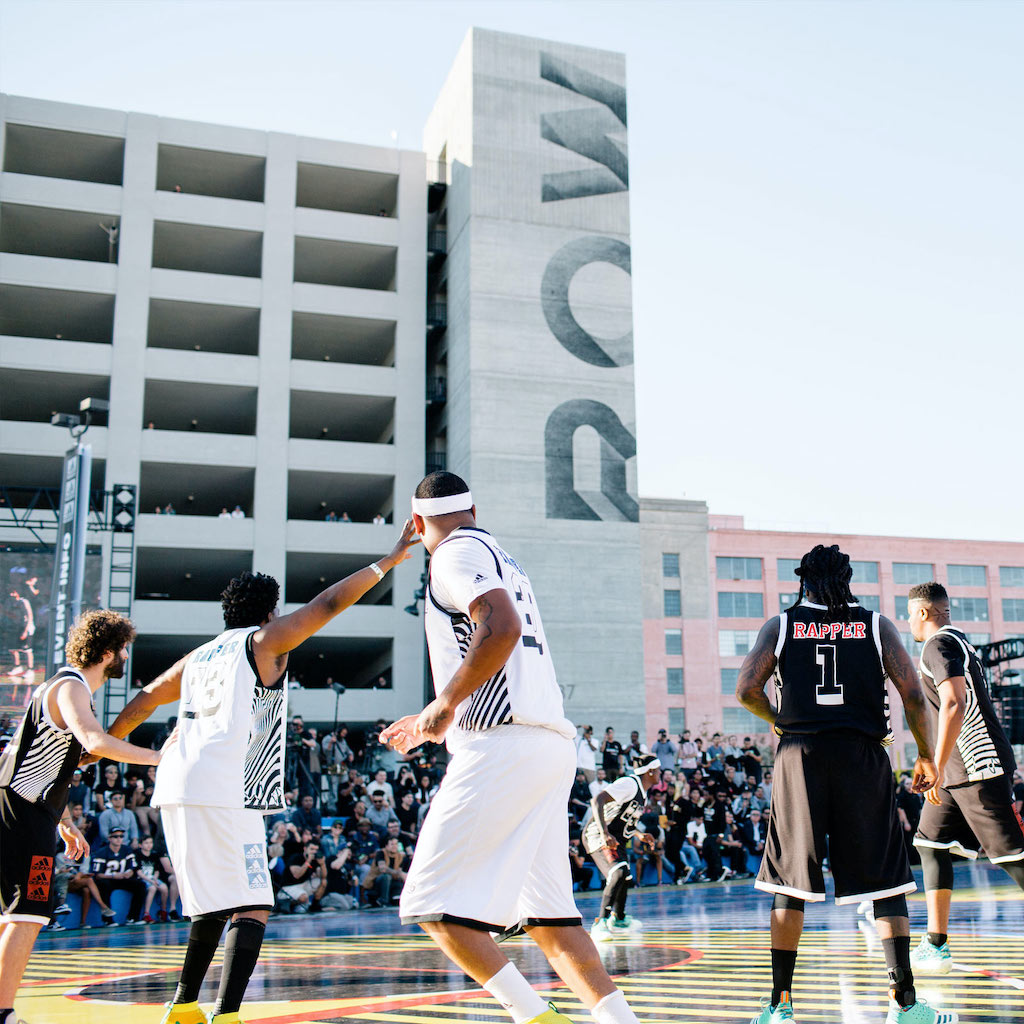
(830, 690)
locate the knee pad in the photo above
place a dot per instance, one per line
(938, 868)
(618, 875)
(784, 902)
(891, 906)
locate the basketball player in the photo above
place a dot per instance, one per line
(210, 788)
(35, 776)
(830, 659)
(616, 811)
(972, 805)
(492, 852)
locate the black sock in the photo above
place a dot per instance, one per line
(901, 977)
(241, 951)
(783, 965)
(202, 944)
(620, 898)
(7, 1015)
(937, 938)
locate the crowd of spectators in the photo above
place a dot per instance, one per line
(707, 813)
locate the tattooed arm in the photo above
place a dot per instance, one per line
(900, 669)
(498, 629)
(756, 670)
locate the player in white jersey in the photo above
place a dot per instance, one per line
(224, 772)
(492, 852)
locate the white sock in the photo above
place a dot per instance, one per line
(514, 992)
(614, 1009)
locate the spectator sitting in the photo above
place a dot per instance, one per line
(664, 789)
(406, 782)
(426, 790)
(158, 876)
(276, 842)
(649, 823)
(115, 868)
(406, 839)
(110, 781)
(379, 813)
(334, 841)
(579, 796)
(140, 802)
(345, 518)
(331, 517)
(600, 783)
(757, 800)
(379, 520)
(237, 513)
(306, 817)
(75, 877)
(753, 832)
(224, 513)
(118, 816)
(665, 750)
(340, 880)
(380, 784)
(79, 792)
(85, 823)
(577, 863)
(766, 785)
(731, 844)
(363, 844)
(387, 874)
(305, 878)
(408, 813)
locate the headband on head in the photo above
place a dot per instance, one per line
(442, 506)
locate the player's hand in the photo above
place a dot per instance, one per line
(75, 846)
(933, 796)
(611, 844)
(647, 839)
(925, 775)
(433, 721)
(401, 735)
(408, 537)
(87, 759)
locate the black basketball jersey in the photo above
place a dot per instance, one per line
(620, 815)
(982, 750)
(39, 761)
(829, 676)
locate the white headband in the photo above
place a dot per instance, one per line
(442, 506)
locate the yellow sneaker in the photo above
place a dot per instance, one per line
(549, 1016)
(226, 1018)
(183, 1013)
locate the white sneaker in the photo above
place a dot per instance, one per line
(599, 931)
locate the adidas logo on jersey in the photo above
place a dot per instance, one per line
(479, 578)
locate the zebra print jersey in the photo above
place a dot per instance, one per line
(463, 567)
(265, 759)
(982, 750)
(41, 758)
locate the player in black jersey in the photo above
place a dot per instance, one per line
(833, 781)
(972, 804)
(35, 776)
(617, 810)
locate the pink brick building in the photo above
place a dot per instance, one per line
(711, 583)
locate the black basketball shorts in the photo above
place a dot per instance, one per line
(975, 817)
(833, 795)
(28, 845)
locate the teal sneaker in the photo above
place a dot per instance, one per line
(929, 959)
(920, 1013)
(599, 931)
(624, 924)
(775, 1014)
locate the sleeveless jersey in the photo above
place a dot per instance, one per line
(982, 750)
(41, 758)
(620, 816)
(230, 749)
(829, 675)
(525, 691)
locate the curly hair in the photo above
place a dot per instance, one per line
(94, 634)
(249, 599)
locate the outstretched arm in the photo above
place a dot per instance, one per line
(900, 669)
(756, 670)
(165, 689)
(285, 633)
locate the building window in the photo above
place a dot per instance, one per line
(864, 572)
(787, 601)
(967, 575)
(870, 602)
(968, 609)
(787, 568)
(912, 572)
(742, 722)
(978, 639)
(676, 721)
(1011, 575)
(730, 676)
(740, 606)
(735, 642)
(738, 568)
(673, 641)
(902, 614)
(1013, 609)
(912, 646)
(670, 564)
(674, 680)
(673, 604)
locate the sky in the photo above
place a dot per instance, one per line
(826, 204)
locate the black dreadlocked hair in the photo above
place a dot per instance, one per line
(826, 571)
(249, 599)
(441, 485)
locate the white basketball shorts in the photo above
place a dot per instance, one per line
(494, 850)
(220, 858)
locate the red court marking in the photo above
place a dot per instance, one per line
(96, 979)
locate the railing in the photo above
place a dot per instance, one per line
(436, 462)
(437, 390)
(36, 507)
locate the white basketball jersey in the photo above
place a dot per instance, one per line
(230, 743)
(465, 565)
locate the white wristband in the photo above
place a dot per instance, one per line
(378, 570)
